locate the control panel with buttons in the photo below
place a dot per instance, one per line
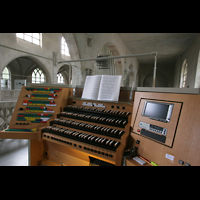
(153, 128)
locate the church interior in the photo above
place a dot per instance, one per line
(48, 118)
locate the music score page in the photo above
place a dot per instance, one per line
(102, 87)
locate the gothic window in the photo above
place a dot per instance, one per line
(6, 79)
(38, 76)
(60, 78)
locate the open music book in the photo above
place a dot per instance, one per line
(102, 87)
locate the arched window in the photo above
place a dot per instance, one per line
(64, 47)
(184, 72)
(5, 79)
(38, 76)
(60, 78)
(5, 73)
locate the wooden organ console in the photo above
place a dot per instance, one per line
(65, 130)
(99, 132)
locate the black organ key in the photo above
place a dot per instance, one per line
(91, 126)
(107, 142)
(102, 141)
(89, 137)
(112, 120)
(103, 118)
(88, 116)
(123, 113)
(124, 122)
(112, 131)
(98, 127)
(107, 130)
(82, 124)
(115, 145)
(92, 138)
(75, 133)
(115, 131)
(97, 139)
(81, 115)
(102, 128)
(120, 132)
(120, 121)
(111, 142)
(92, 109)
(108, 120)
(80, 135)
(112, 111)
(86, 136)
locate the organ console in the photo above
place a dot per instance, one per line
(98, 132)
(66, 130)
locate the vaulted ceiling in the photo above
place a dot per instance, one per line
(22, 66)
(168, 45)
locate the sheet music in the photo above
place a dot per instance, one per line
(109, 88)
(91, 87)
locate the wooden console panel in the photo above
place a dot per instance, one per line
(170, 126)
(26, 114)
(183, 130)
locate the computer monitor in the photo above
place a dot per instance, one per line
(158, 111)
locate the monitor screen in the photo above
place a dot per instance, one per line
(158, 111)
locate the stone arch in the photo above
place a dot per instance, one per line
(161, 80)
(42, 66)
(21, 67)
(66, 72)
